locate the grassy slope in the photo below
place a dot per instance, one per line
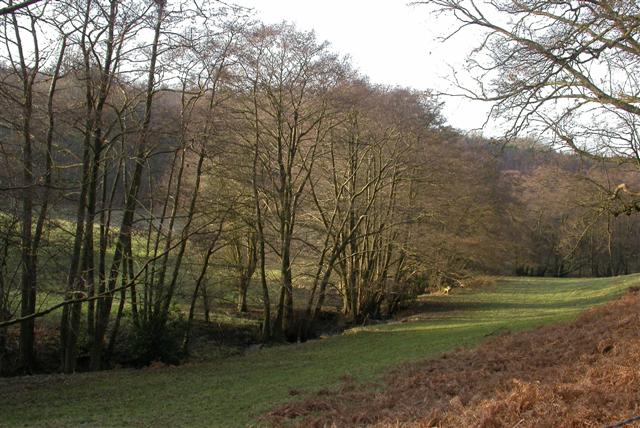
(233, 392)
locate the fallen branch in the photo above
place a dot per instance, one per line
(625, 422)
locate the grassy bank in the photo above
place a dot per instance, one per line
(234, 392)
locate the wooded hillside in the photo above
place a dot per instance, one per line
(160, 157)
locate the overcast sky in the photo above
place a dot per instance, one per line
(387, 40)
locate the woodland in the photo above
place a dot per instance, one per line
(171, 166)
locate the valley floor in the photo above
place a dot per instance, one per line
(579, 374)
(556, 372)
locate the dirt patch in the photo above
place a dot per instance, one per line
(579, 374)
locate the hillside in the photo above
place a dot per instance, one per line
(578, 374)
(237, 392)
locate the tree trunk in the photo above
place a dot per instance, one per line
(194, 297)
(104, 304)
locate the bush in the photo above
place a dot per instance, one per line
(151, 342)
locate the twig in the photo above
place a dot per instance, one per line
(625, 422)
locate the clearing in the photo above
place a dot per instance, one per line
(237, 391)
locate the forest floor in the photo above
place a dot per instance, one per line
(345, 379)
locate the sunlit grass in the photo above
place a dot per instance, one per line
(235, 391)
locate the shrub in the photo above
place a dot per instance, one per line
(153, 341)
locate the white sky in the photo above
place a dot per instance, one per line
(389, 41)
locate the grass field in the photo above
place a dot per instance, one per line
(236, 391)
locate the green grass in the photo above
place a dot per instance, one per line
(235, 391)
(54, 258)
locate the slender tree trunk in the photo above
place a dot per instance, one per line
(194, 297)
(166, 298)
(266, 311)
(205, 303)
(4, 310)
(247, 269)
(104, 304)
(28, 265)
(126, 276)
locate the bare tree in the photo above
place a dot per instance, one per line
(29, 51)
(563, 71)
(292, 79)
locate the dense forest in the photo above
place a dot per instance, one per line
(163, 161)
